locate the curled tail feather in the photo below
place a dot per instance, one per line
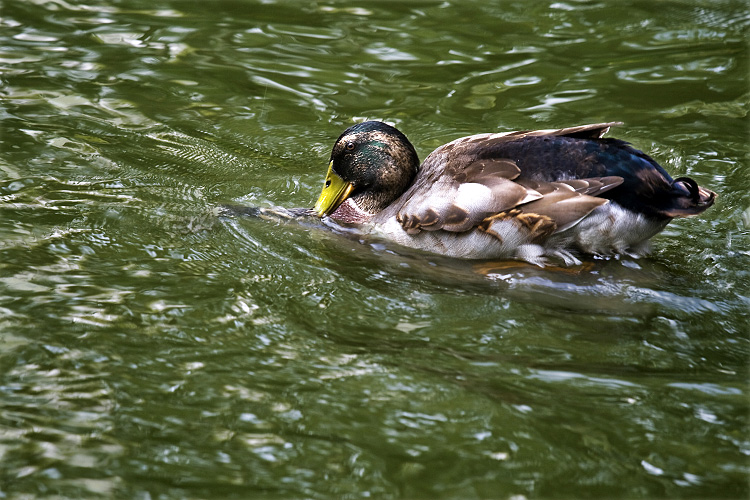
(689, 198)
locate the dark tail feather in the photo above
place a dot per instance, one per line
(689, 198)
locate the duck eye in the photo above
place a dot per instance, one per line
(349, 146)
(328, 182)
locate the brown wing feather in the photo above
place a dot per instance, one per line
(592, 186)
(591, 131)
(459, 199)
(567, 202)
(565, 208)
(457, 189)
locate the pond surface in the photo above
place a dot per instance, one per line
(150, 348)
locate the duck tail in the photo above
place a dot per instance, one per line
(688, 198)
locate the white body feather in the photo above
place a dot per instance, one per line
(607, 230)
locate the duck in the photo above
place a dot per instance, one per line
(536, 195)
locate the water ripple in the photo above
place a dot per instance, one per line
(152, 347)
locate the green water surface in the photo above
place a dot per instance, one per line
(152, 349)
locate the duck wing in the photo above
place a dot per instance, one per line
(476, 180)
(581, 153)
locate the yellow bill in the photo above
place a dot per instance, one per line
(335, 191)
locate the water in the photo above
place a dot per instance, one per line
(150, 348)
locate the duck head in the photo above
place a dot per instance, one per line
(372, 164)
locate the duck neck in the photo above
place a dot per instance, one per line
(395, 176)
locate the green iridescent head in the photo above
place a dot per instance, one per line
(372, 163)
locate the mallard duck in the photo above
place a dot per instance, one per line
(529, 195)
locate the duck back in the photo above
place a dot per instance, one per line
(646, 188)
